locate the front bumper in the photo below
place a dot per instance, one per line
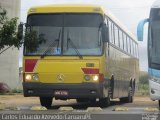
(83, 90)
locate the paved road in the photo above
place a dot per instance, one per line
(129, 111)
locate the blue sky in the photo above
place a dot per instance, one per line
(129, 12)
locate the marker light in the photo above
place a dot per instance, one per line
(95, 78)
(35, 77)
(87, 77)
(28, 77)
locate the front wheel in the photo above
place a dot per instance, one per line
(104, 102)
(46, 101)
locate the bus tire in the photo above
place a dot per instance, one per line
(111, 88)
(46, 101)
(128, 99)
(134, 86)
(159, 103)
(130, 95)
(105, 102)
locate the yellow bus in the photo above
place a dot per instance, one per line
(78, 52)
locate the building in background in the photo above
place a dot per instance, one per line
(9, 60)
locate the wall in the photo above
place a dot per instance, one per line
(9, 61)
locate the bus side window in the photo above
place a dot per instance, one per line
(113, 33)
(128, 44)
(134, 49)
(125, 42)
(137, 51)
(131, 44)
(116, 36)
(121, 39)
(110, 31)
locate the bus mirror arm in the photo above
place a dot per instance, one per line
(105, 33)
(140, 29)
(20, 31)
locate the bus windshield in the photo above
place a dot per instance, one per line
(63, 33)
(154, 39)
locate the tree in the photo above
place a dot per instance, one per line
(8, 32)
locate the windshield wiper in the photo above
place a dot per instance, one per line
(52, 44)
(58, 39)
(73, 45)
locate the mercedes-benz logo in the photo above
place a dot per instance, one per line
(60, 77)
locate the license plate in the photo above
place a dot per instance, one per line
(61, 92)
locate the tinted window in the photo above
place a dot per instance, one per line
(121, 39)
(116, 36)
(63, 33)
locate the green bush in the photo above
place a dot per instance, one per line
(143, 84)
(143, 90)
(17, 90)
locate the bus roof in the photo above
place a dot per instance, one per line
(156, 4)
(79, 8)
(67, 8)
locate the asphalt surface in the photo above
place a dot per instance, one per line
(19, 108)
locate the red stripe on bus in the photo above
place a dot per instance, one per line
(30, 65)
(90, 71)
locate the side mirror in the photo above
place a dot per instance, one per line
(20, 31)
(140, 29)
(105, 33)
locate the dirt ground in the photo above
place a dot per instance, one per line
(19, 100)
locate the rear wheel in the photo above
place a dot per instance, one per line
(159, 103)
(130, 95)
(134, 86)
(128, 99)
(46, 101)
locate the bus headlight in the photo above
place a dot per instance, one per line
(155, 79)
(28, 77)
(95, 78)
(35, 77)
(87, 77)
